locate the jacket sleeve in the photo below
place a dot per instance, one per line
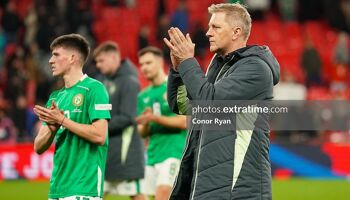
(177, 96)
(250, 78)
(127, 108)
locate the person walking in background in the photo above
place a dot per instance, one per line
(164, 129)
(125, 160)
(223, 164)
(77, 117)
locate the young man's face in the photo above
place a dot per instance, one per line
(220, 33)
(106, 62)
(60, 61)
(150, 65)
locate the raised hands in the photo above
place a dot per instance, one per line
(181, 46)
(52, 116)
(146, 117)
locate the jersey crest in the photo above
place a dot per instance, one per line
(78, 100)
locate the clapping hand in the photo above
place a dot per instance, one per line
(52, 116)
(146, 117)
(181, 47)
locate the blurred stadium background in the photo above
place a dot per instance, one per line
(310, 39)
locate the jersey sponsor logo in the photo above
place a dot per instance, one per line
(78, 100)
(103, 106)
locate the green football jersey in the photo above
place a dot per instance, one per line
(79, 165)
(164, 142)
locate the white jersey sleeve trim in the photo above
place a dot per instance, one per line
(103, 106)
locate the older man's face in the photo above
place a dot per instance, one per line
(220, 33)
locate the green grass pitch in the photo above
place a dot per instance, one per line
(293, 189)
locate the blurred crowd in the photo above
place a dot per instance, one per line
(27, 27)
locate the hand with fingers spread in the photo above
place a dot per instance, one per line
(181, 46)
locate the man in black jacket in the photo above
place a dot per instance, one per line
(125, 160)
(223, 164)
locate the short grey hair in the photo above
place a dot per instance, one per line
(237, 12)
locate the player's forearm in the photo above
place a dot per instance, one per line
(95, 133)
(43, 140)
(171, 122)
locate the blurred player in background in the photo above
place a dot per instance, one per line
(234, 163)
(165, 130)
(77, 117)
(125, 160)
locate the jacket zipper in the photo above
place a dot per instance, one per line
(217, 77)
(199, 152)
(200, 138)
(186, 147)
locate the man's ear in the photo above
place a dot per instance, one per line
(237, 32)
(114, 56)
(73, 57)
(117, 58)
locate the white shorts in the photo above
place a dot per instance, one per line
(163, 173)
(124, 188)
(78, 198)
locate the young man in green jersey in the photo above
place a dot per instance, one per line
(76, 116)
(166, 130)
